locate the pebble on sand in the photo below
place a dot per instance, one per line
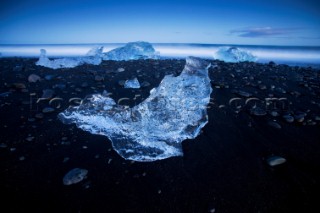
(145, 84)
(19, 85)
(121, 69)
(299, 117)
(74, 176)
(276, 160)
(274, 124)
(99, 78)
(274, 113)
(258, 111)
(30, 138)
(3, 145)
(47, 93)
(121, 82)
(33, 78)
(39, 116)
(244, 94)
(49, 77)
(288, 118)
(48, 110)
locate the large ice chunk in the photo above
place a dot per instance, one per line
(234, 54)
(132, 51)
(153, 130)
(94, 56)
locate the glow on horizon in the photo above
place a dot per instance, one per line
(273, 22)
(264, 53)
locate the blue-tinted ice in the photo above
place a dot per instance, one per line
(154, 129)
(234, 54)
(133, 83)
(132, 51)
(94, 56)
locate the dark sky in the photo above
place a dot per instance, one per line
(269, 22)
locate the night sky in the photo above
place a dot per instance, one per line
(269, 22)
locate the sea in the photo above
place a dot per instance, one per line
(306, 56)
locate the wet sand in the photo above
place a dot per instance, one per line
(225, 169)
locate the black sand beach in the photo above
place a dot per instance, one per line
(257, 111)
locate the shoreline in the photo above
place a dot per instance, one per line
(314, 66)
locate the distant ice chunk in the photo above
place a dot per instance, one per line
(95, 52)
(234, 54)
(56, 63)
(94, 56)
(153, 130)
(132, 51)
(133, 83)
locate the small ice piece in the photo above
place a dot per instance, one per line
(153, 130)
(94, 56)
(132, 51)
(133, 83)
(234, 54)
(56, 63)
(276, 160)
(75, 176)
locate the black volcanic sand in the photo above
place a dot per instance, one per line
(224, 169)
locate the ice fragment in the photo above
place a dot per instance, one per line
(153, 130)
